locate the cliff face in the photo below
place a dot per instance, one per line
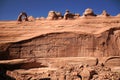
(84, 37)
(68, 44)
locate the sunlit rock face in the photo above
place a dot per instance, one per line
(51, 37)
(52, 15)
(68, 44)
(89, 12)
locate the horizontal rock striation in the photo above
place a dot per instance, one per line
(66, 44)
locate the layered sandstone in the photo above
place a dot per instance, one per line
(48, 49)
(65, 41)
(67, 44)
(89, 12)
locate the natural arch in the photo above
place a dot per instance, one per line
(22, 16)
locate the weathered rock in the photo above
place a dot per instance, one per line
(15, 75)
(104, 14)
(85, 74)
(31, 18)
(115, 69)
(72, 73)
(22, 16)
(12, 62)
(58, 44)
(68, 15)
(94, 45)
(59, 15)
(77, 15)
(113, 61)
(52, 15)
(89, 12)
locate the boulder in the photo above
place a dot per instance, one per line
(89, 12)
(31, 18)
(59, 15)
(13, 61)
(85, 74)
(52, 15)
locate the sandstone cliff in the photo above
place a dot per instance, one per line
(86, 48)
(79, 40)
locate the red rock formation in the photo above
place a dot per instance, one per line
(69, 15)
(104, 14)
(67, 44)
(61, 49)
(52, 15)
(22, 16)
(31, 18)
(89, 12)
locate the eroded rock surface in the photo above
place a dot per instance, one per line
(31, 18)
(67, 72)
(67, 44)
(22, 17)
(77, 49)
(69, 15)
(104, 14)
(52, 15)
(89, 12)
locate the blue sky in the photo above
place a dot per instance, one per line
(10, 9)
